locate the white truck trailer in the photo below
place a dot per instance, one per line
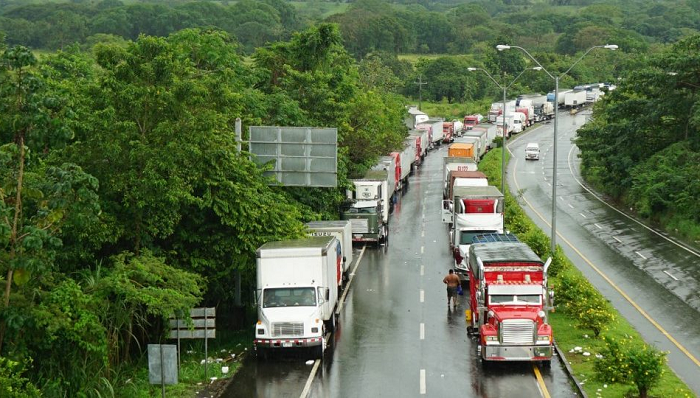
(297, 294)
(368, 210)
(342, 230)
(575, 99)
(434, 126)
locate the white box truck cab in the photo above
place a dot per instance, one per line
(342, 230)
(368, 210)
(297, 294)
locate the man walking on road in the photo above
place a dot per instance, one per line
(452, 281)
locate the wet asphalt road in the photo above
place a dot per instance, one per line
(652, 281)
(397, 337)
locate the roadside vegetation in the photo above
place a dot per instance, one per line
(653, 124)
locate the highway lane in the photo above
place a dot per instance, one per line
(653, 281)
(397, 337)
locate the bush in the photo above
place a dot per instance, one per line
(626, 361)
(583, 302)
(12, 384)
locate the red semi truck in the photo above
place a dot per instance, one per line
(470, 121)
(448, 132)
(509, 300)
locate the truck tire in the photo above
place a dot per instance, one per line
(330, 324)
(317, 352)
(261, 354)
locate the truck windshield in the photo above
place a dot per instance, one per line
(466, 237)
(514, 299)
(289, 297)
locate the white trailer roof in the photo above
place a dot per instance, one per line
(311, 246)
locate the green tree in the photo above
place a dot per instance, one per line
(628, 361)
(37, 198)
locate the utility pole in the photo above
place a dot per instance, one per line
(420, 84)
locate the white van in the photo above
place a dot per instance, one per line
(532, 151)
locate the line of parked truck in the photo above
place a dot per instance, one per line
(299, 282)
(508, 293)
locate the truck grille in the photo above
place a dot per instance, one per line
(359, 225)
(517, 331)
(287, 329)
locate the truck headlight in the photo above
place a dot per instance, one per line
(261, 331)
(491, 338)
(543, 338)
(314, 330)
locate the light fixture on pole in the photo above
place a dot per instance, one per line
(503, 113)
(502, 47)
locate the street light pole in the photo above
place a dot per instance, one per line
(503, 114)
(502, 47)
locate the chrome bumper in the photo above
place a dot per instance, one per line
(288, 343)
(516, 353)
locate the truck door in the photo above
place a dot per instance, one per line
(447, 217)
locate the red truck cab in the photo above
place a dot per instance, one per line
(470, 121)
(508, 300)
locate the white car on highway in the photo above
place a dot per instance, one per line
(532, 151)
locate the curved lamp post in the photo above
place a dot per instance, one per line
(502, 47)
(504, 88)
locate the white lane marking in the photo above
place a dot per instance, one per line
(549, 184)
(583, 215)
(667, 273)
(422, 234)
(422, 249)
(307, 387)
(422, 295)
(422, 331)
(615, 237)
(561, 197)
(422, 381)
(352, 276)
(422, 270)
(641, 255)
(599, 227)
(570, 205)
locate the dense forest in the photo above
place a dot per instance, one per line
(125, 199)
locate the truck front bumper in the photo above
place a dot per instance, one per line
(516, 353)
(288, 343)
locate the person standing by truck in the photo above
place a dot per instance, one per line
(452, 281)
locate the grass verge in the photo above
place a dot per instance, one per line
(226, 350)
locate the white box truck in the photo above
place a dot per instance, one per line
(342, 230)
(368, 207)
(297, 294)
(575, 99)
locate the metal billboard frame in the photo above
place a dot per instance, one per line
(301, 156)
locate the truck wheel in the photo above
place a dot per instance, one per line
(331, 324)
(261, 354)
(317, 352)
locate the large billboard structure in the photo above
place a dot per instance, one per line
(301, 156)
